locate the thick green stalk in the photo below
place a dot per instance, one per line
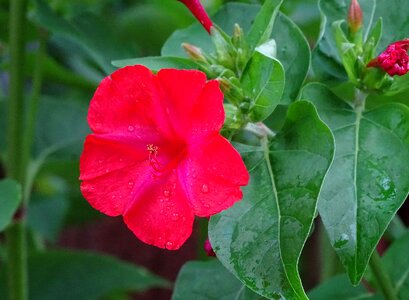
(15, 234)
(382, 278)
(32, 109)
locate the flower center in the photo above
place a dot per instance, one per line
(164, 161)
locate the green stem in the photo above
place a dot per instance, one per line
(17, 261)
(32, 109)
(382, 278)
(16, 234)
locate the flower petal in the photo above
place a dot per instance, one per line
(180, 90)
(102, 155)
(212, 176)
(114, 192)
(207, 116)
(122, 103)
(161, 216)
(112, 171)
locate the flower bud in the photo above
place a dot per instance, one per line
(354, 16)
(199, 12)
(394, 60)
(208, 248)
(195, 53)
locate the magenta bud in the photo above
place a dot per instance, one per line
(394, 60)
(199, 12)
(208, 248)
(355, 16)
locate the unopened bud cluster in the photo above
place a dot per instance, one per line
(226, 64)
(357, 54)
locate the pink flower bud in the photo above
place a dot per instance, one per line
(354, 16)
(394, 60)
(208, 248)
(199, 12)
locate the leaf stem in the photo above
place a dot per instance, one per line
(16, 233)
(382, 278)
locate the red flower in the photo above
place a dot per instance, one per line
(394, 60)
(199, 12)
(156, 156)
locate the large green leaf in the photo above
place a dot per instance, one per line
(87, 31)
(155, 63)
(396, 262)
(367, 182)
(261, 237)
(339, 288)
(293, 53)
(209, 281)
(68, 275)
(10, 198)
(326, 61)
(263, 81)
(60, 123)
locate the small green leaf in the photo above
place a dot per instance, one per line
(68, 275)
(365, 185)
(260, 238)
(346, 50)
(10, 198)
(396, 262)
(155, 63)
(263, 24)
(263, 82)
(372, 41)
(339, 288)
(209, 280)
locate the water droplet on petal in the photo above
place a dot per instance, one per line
(131, 128)
(175, 216)
(205, 189)
(130, 184)
(166, 193)
(169, 245)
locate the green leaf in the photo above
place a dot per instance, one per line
(67, 275)
(48, 207)
(10, 198)
(339, 288)
(87, 31)
(209, 280)
(372, 41)
(346, 49)
(155, 63)
(61, 124)
(261, 237)
(263, 82)
(263, 24)
(396, 262)
(365, 185)
(293, 53)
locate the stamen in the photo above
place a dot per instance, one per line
(158, 167)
